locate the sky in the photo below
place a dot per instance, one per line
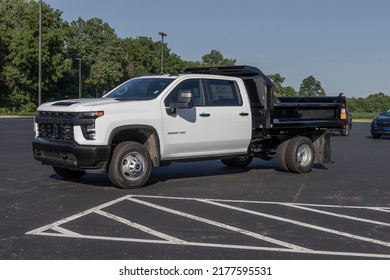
(344, 44)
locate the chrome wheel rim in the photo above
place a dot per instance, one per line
(304, 155)
(133, 166)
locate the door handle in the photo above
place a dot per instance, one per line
(204, 115)
(244, 114)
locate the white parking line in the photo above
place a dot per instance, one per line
(224, 226)
(383, 210)
(298, 223)
(60, 231)
(65, 231)
(338, 215)
(76, 216)
(140, 227)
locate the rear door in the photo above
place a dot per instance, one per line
(231, 117)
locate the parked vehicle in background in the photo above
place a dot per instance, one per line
(381, 125)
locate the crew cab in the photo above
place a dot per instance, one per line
(227, 113)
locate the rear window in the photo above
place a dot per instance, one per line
(224, 93)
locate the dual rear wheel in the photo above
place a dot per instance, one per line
(296, 155)
(293, 155)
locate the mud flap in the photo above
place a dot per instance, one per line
(322, 148)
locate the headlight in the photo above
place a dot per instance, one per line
(91, 115)
(89, 130)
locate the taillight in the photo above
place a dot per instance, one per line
(343, 115)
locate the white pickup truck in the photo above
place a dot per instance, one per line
(227, 113)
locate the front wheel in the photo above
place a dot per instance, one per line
(375, 135)
(130, 166)
(300, 155)
(240, 162)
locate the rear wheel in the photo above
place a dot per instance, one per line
(240, 162)
(281, 155)
(345, 131)
(300, 155)
(130, 166)
(68, 173)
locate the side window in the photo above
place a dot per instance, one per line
(223, 93)
(193, 85)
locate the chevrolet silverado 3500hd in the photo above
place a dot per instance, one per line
(227, 113)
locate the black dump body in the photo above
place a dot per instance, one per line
(270, 112)
(320, 112)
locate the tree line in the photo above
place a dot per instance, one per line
(374, 103)
(105, 59)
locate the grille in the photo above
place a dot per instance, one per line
(56, 125)
(57, 115)
(53, 131)
(383, 124)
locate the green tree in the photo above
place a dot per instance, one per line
(20, 52)
(97, 45)
(141, 56)
(215, 58)
(288, 91)
(106, 59)
(106, 72)
(311, 87)
(374, 103)
(278, 80)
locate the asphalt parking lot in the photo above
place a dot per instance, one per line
(201, 210)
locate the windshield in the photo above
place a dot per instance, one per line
(140, 89)
(387, 113)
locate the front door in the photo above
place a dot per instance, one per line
(187, 133)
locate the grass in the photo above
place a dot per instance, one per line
(17, 114)
(363, 116)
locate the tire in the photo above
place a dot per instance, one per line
(281, 155)
(300, 155)
(130, 166)
(375, 136)
(239, 162)
(68, 173)
(345, 131)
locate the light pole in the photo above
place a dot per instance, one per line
(40, 56)
(162, 50)
(79, 59)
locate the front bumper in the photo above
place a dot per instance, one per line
(380, 128)
(71, 155)
(380, 132)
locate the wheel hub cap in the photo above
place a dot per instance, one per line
(304, 155)
(133, 166)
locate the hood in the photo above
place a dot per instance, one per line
(76, 105)
(383, 118)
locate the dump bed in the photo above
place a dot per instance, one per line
(272, 113)
(318, 112)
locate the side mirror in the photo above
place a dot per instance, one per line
(185, 100)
